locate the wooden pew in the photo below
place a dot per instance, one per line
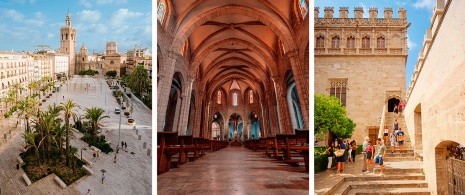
(297, 148)
(279, 144)
(269, 145)
(165, 150)
(302, 146)
(186, 145)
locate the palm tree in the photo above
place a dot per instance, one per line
(32, 86)
(30, 138)
(68, 108)
(17, 88)
(95, 115)
(27, 107)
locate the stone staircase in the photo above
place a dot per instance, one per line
(403, 172)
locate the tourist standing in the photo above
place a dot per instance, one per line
(396, 109)
(346, 151)
(400, 140)
(350, 151)
(88, 192)
(381, 149)
(400, 109)
(386, 134)
(393, 138)
(340, 160)
(396, 126)
(103, 177)
(330, 153)
(370, 152)
(354, 150)
(364, 152)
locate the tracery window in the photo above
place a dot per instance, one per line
(251, 96)
(234, 99)
(366, 42)
(218, 100)
(161, 10)
(303, 8)
(320, 42)
(339, 90)
(381, 42)
(335, 42)
(350, 42)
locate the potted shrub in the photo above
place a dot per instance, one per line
(126, 114)
(44, 100)
(130, 120)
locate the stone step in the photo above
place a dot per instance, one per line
(380, 185)
(401, 191)
(407, 176)
(398, 154)
(400, 158)
(389, 171)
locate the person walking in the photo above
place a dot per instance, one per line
(396, 125)
(88, 192)
(330, 153)
(400, 108)
(103, 177)
(370, 152)
(340, 160)
(381, 151)
(364, 152)
(400, 140)
(396, 109)
(386, 133)
(393, 138)
(346, 151)
(350, 152)
(125, 145)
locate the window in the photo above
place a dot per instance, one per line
(161, 11)
(366, 42)
(218, 100)
(303, 8)
(335, 42)
(320, 42)
(251, 96)
(338, 89)
(351, 42)
(234, 99)
(381, 42)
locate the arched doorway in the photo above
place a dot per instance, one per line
(235, 120)
(450, 165)
(174, 104)
(295, 110)
(217, 131)
(391, 103)
(254, 132)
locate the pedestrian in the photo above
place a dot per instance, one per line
(350, 152)
(330, 153)
(400, 140)
(393, 138)
(396, 109)
(400, 108)
(98, 156)
(396, 126)
(125, 145)
(381, 149)
(88, 192)
(364, 152)
(63, 97)
(346, 151)
(386, 133)
(354, 149)
(137, 131)
(341, 159)
(103, 175)
(370, 151)
(122, 144)
(95, 155)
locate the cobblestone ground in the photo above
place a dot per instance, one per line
(131, 174)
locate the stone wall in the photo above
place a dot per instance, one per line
(438, 91)
(370, 80)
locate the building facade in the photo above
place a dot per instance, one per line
(362, 62)
(434, 113)
(68, 44)
(14, 68)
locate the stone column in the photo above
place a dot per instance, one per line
(272, 113)
(177, 113)
(184, 115)
(283, 110)
(164, 87)
(198, 115)
(301, 81)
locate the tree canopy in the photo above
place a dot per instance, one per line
(111, 73)
(330, 116)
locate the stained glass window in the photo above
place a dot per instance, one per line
(219, 98)
(303, 8)
(251, 96)
(161, 11)
(234, 99)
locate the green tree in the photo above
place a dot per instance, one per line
(95, 115)
(138, 80)
(69, 111)
(330, 116)
(111, 73)
(17, 88)
(27, 107)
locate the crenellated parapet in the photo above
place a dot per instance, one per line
(439, 11)
(360, 35)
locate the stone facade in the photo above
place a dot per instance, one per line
(14, 68)
(68, 44)
(436, 94)
(366, 55)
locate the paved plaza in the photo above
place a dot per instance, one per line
(132, 172)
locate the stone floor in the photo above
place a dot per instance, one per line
(131, 174)
(234, 170)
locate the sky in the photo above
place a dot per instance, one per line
(25, 24)
(419, 13)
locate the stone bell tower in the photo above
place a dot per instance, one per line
(68, 44)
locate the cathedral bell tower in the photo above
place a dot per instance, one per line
(68, 44)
